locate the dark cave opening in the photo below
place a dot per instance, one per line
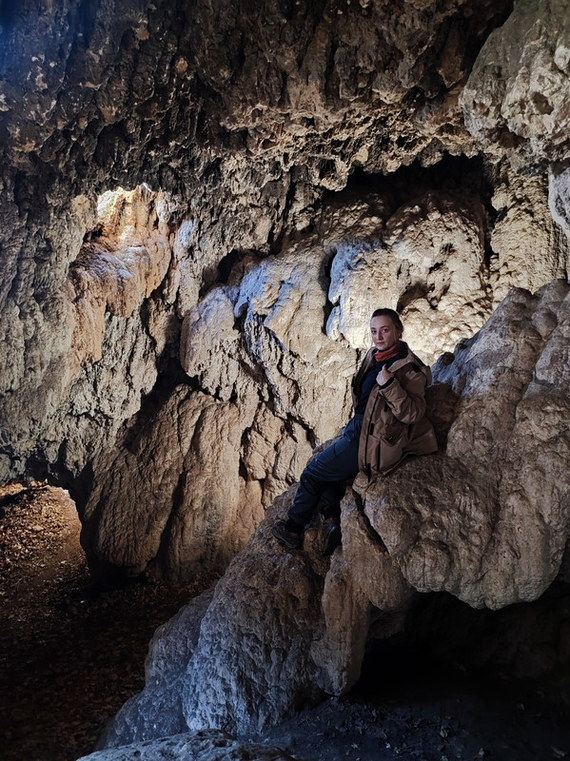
(523, 647)
(72, 651)
(452, 174)
(227, 264)
(455, 683)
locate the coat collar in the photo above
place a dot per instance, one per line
(398, 364)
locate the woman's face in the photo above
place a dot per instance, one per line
(384, 333)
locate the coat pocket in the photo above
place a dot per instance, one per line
(390, 451)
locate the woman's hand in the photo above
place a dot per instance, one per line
(383, 377)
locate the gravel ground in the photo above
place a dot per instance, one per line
(69, 656)
(431, 717)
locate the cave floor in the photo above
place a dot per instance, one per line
(70, 656)
(446, 718)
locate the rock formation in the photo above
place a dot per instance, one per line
(486, 520)
(200, 204)
(207, 745)
(284, 172)
(514, 99)
(232, 252)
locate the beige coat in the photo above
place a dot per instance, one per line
(395, 424)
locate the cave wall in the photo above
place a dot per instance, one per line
(485, 521)
(289, 166)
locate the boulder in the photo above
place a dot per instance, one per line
(486, 520)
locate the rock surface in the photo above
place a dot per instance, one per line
(530, 249)
(427, 261)
(514, 102)
(199, 207)
(486, 520)
(206, 745)
(221, 443)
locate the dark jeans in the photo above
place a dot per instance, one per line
(321, 481)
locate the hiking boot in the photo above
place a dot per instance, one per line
(287, 538)
(332, 535)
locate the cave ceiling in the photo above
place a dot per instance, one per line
(172, 94)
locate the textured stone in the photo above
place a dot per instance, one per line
(184, 504)
(206, 745)
(486, 520)
(528, 249)
(514, 102)
(117, 269)
(250, 349)
(428, 261)
(85, 342)
(559, 196)
(282, 304)
(172, 354)
(258, 673)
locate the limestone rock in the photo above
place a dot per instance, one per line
(241, 430)
(362, 581)
(198, 509)
(211, 347)
(514, 102)
(279, 596)
(559, 198)
(274, 452)
(89, 334)
(428, 261)
(528, 249)
(206, 745)
(486, 520)
(282, 304)
(117, 269)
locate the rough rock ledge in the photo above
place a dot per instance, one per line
(486, 520)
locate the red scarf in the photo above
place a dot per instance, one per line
(383, 356)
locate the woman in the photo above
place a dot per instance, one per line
(388, 424)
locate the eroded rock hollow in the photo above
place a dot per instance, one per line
(201, 204)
